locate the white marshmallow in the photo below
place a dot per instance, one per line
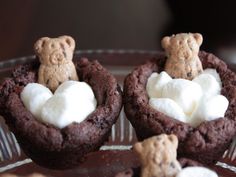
(200, 99)
(184, 92)
(72, 102)
(209, 84)
(155, 83)
(209, 109)
(214, 73)
(34, 96)
(76, 89)
(196, 172)
(61, 110)
(168, 107)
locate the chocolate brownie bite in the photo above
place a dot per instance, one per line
(206, 142)
(51, 146)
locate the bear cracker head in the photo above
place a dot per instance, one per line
(182, 45)
(55, 51)
(158, 156)
(162, 148)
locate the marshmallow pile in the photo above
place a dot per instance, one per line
(196, 172)
(73, 101)
(191, 102)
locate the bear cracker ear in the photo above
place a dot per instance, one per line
(174, 140)
(165, 42)
(198, 38)
(39, 44)
(138, 147)
(69, 40)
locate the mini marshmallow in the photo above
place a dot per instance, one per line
(76, 89)
(209, 84)
(168, 107)
(209, 109)
(34, 96)
(58, 111)
(155, 83)
(214, 73)
(196, 172)
(61, 110)
(184, 92)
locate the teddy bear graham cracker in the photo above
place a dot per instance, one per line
(158, 156)
(182, 55)
(55, 55)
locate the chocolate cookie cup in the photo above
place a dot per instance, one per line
(205, 143)
(64, 148)
(136, 172)
(157, 157)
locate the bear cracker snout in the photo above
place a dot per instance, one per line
(57, 58)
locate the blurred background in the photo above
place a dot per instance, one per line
(116, 24)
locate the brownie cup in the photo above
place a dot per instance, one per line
(135, 172)
(47, 145)
(31, 175)
(205, 143)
